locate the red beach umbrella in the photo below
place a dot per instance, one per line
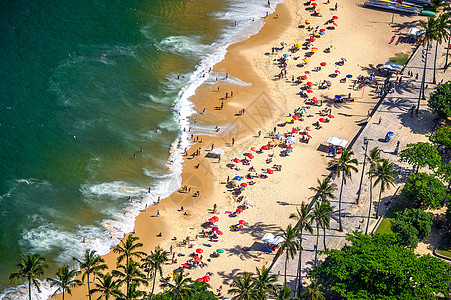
(294, 131)
(200, 279)
(322, 30)
(242, 222)
(322, 120)
(239, 210)
(308, 128)
(185, 265)
(323, 64)
(250, 156)
(334, 18)
(253, 149)
(331, 116)
(270, 171)
(219, 232)
(309, 91)
(289, 147)
(295, 117)
(335, 24)
(311, 39)
(307, 72)
(206, 278)
(315, 100)
(197, 259)
(337, 71)
(310, 83)
(236, 160)
(199, 251)
(215, 218)
(244, 184)
(265, 147)
(303, 77)
(314, 4)
(309, 136)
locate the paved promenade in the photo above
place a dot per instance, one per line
(395, 111)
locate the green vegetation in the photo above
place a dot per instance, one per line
(400, 58)
(440, 100)
(445, 246)
(377, 267)
(420, 155)
(411, 226)
(442, 136)
(424, 190)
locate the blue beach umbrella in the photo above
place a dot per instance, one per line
(238, 178)
(289, 150)
(390, 133)
(322, 33)
(278, 136)
(338, 96)
(283, 44)
(349, 76)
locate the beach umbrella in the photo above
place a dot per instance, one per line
(219, 250)
(338, 96)
(288, 120)
(310, 84)
(349, 76)
(265, 147)
(344, 59)
(291, 139)
(185, 265)
(206, 278)
(303, 111)
(239, 210)
(242, 222)
(200, 279)
(199, 251)
(253, 149)
(269, 171)
(247, 202)
(390, 133)
(197, 259)
(308, 21)
(319, 10)
(215, 228)
(277, 135)
(337, 71)
(322, 120)
(309, 91)
(289, 147)
(295, 117)
(236, 160)
(215, 218)
(308, 128)
(171, 274)
(316, 34)
(250, 156)
(306, 60)
(322, 33)
(219, 232)
(314, 4)
(294, 131)
(335, 24)
(271, 144)
(331, 116)
(334, 18)
(303, 77)
(289, 151)
(307, 72)
(238, 178)
(244, 184)
(314, 50)
(276, 142)
(298, 45)
(309, 136)
(323, 64)
(311, 39)
(283, 44)
(322, 30)
(315, 100)
(210, 220)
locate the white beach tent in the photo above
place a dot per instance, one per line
(337, 141)
(393, 67)
(218, 151)
(415, 31)
(272, 239)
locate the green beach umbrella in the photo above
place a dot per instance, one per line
(220, 251)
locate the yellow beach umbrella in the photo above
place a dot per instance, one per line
(171, 275)
(288, 120)
(314, 50)
(308, 22)
(298, 45)
(319, 10)
(316, 34)
(306, 60)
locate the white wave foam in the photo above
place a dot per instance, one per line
(183, 45)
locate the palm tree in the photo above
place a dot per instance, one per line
(180, 288)
(243, 287)
(128, 249)
(304, 218)
(91, 264)
(65, 279)
(343, 166)
(443, 27)
(130, 274)
(314, 291)
(133, 293)
(108, 287)
(285, 292)
(31, 268)
(384, 173)
(265, 283)
(374, 157)
(290, 245)
(154, 262)
(320, 215)
(325, 190)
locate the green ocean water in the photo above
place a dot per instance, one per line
(83, 86)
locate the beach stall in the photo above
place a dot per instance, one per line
(392, 67)
(336, 145)
(272, 242)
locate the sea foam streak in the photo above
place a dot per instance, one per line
(102, 238)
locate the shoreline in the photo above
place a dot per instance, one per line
(244, 60)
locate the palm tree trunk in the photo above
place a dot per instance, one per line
(324, 238)
(447, 52)
(299, 278)
(379, 204)
(286, 262)
(435, 61)
(63, 294)
(89, 289)
(29, 287)
(317, 238)
(424, 71)
(153, 285)
(340, 227)
(371, 204)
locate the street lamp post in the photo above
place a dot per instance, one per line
(365, 142)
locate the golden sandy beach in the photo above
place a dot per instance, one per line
(362, 37)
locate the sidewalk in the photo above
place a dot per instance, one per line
(395, 113)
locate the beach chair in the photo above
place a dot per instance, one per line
(266, 250)
(392, 39)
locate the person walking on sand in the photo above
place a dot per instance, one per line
(233, 141)
(336, 6)
(380, 120)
